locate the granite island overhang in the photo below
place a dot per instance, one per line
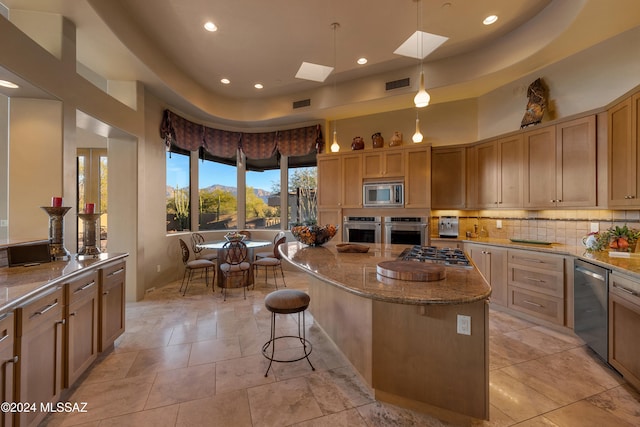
(402, 336)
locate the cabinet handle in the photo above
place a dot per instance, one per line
(44, 310)
(105, 293)
(533, 279)
(4, 337)
(118, 271)
(532, 303)
(14, 359)
(61, 322)
(88, 285)
(531, 260)
(623, 289)
(73, 314)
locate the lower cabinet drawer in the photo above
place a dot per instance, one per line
(544, 281)
(542, 306)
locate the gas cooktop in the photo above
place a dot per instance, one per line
(447, 256)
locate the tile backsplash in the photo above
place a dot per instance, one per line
(565, 227)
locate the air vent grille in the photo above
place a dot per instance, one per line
(398, 84)
(301, 103)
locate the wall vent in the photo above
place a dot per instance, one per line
(301, 103)
(398, 84)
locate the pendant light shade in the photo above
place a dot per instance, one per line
(335, 147)
(422, 98)
(417, 137)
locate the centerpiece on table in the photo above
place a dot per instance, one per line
(234, 236)
(313, 234)
(619, 239)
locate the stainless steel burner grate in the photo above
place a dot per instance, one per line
(447, 256)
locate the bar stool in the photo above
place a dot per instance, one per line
(287, 301)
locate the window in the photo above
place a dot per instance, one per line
(302, 195)
(262, 182)
(178, 190)
(217, 189)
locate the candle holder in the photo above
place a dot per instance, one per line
(89, 247)
(56, 232)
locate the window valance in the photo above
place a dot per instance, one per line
(192, 136)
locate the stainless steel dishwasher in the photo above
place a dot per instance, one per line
(590, 293)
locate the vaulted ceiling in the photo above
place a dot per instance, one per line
(163, 44)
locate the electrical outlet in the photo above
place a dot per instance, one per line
(464, 324)
(499, 224)
(158, 268)
(594, 227)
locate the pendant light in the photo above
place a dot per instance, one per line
(417, 137)
(422, 98)
(335, 147)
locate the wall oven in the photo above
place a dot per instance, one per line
(407, 230)
(362, 229)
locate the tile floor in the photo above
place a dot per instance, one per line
(196, 361)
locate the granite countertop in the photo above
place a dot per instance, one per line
(17, 284)
(629, 265)
(356, 273)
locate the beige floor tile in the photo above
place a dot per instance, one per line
(381, 414)
(545, 340)
(282, 403)
(241, 373)
(505, 350)
(621, 401)
(589, 416)
(191, 333)
(160, 359)
(134, 341)
(348, 418)
(226, 409)
(160, 417)
(182, 385)
(214, 350)
(338, 390)
(111, 366)
(516, 398)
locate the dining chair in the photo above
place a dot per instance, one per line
(269, 254)
(274, 262)
(235, 265)
(196, 264)
(246, 233)
(197, 239)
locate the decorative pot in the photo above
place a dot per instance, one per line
(357, 144)
(396, 139)
(378, 140)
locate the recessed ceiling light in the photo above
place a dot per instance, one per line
(225, 81)
(362, 61)
(210, 26)
(10, 85)
(258, 86)
(490, 20)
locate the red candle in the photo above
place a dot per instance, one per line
(56, 202)
(89, 207)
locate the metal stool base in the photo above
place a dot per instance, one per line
(306, 344)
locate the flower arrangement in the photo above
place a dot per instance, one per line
(622, 239)
(234, 236)
(314, 235)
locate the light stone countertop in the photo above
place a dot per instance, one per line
(627, 265)
(356, 273)
(18, 284)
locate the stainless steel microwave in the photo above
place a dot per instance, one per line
(383, 194)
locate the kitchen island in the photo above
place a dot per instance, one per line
(402, 336)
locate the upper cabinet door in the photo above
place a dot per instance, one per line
(329, 181)
(383, 164)
(623, 191)
(352, 180)
(509, 171)
(486, 155)
(540, 168)
(417, 190)
(576, 163)
(448, 178)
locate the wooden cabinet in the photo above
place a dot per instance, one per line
(81, 325)
(417, 191)
(39, 335)
(382, 163)
(8, 360)
(498, 171)
(329, 181)
(623, 134)
(560, 165)
(491, 261)
(536, 285)
(624, 327)
(340, 181)
(448, 178)
(112, 304)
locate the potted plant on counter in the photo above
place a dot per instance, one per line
(616, 238)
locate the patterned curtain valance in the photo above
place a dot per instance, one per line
(221, 143)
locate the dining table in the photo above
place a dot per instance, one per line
(219, 246)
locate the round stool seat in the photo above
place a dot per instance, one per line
(286, 301)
